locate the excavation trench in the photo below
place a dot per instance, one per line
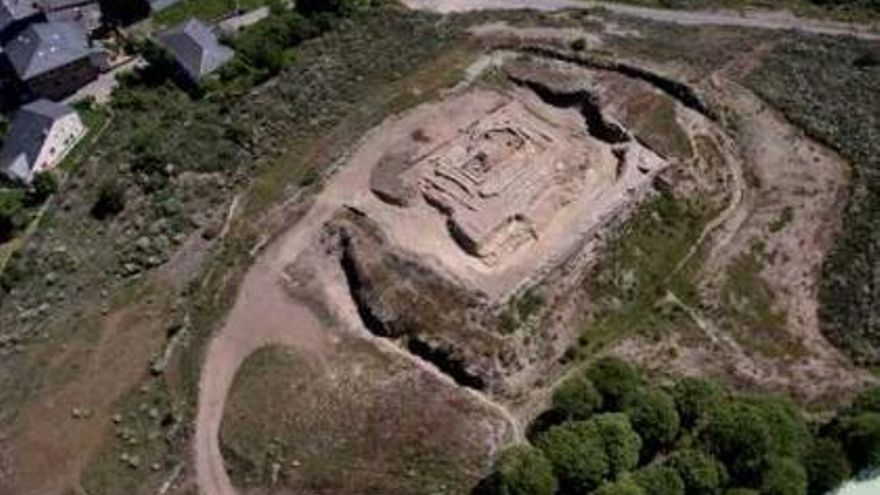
(681, 92)
(586, 103)
(441, 356)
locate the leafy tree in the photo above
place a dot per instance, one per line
(111, 200)
(741, 491)
(860, 437)
(622, 444)
(701, 474)
(658, 479)
(827, 466)
(784, 476)
(738, 436)
(624, 486)
(654, 418)
(615, 380)
(577, 453)
(522, 470)
(694, 399)
(789, 434)
(577, 398)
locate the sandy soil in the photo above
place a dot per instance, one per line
(758, 19)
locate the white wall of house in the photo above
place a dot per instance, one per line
(60, 139)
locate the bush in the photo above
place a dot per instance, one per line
(577, 453)
(827, 466)
(789, 434)
(784, 476)
(615, 380)
(860, 437)
(45, 184)
(867, 401)
(111, 200)
(701, 474)
(738, 436)
(522, 470)
(654, 418)
(625, 486)
(622, 444)
(694, 399)
(659, 480)
(577, 398)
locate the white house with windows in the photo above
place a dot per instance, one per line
(40, 135)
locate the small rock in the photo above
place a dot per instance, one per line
(117, 418)
(155, 466)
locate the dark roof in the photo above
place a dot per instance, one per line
(27, 132)
(46, 46)
(15, 10)
(195, 48)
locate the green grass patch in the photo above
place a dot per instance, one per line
(206, 10)
(637, 270)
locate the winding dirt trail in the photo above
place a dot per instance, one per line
(264, 314)
(757, 19)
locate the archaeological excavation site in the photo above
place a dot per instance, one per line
(456, 247)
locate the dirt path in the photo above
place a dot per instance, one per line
(263, 314)
(758, 19)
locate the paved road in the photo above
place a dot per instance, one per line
(757, 19)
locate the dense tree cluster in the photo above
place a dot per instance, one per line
(611, 433)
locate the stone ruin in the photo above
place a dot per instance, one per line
(502, 180)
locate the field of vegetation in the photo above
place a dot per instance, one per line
(831, 88)
(611, 433)
(857, 10)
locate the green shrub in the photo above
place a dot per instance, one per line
(694, 399)
(615, 379)
(659, 480)
(789, 434)
(577, 398)
(111, 200)
(625, 486)
(622, 444)
(654, 418)
(45, 184)
(577, 453)
(701, 474)
(522, 470)
(784, 476)
(867, 401)
(738, 436)
(827, 466)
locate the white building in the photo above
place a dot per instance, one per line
(40, 135)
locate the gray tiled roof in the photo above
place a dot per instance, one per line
(26, 135)
(14, 10)
(195, 48)
(46, 46)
